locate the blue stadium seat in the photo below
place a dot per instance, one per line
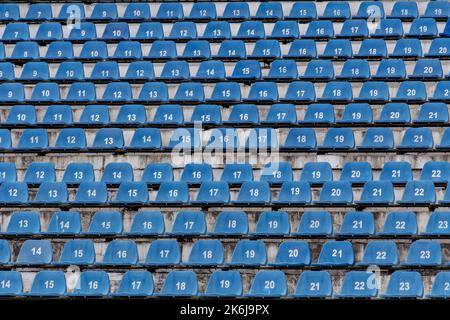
(206, 253)
(338, 139)
(417, 139)
(105, 71)
(424, 253)
(180, 284)
(281, 113)
(336, 11)
(35, 71)
(171, 253)
(234, 173)
(189, 92)
(105, 223)
(432, 112)
(91, 193)
(225, 92)
(354, 69)
(71, 11)
(380, 253)
(396, 172)
(400, 223)
(39, 172)
(203, 11)
(149, 31)
(35, 253)
(319, 70)
(216, 31)
(336, 193)
(336, 253)
(9, 12)
(6, 70)
(104, 12)
(116, 31)
(249, 253)
(77, 172)
(250, 30)
(269, 11)
(374, 92)
(131, 193)
(120, 253)
(276, 172)
(389, 29)
(419, 192)
(70, 139)
(404, 10)
(293, 253)
(59, 51)
(8, 172)
(358, 224)
(273, 223)
(315, 223)
(246, 70)
(16, 31)
(222, 139)
(319, 29)
(294, 192)
(316, 172)
(172, 192)
(12, 280)
(303, 11)
(12, 92)
(423, 28)
(436, 171)
(319, 113)
(92, 284)
(243, 114)
(356, 172)
(377, 193)
(169, 12)
(86, 31)
(236, 11)
(337, 92)
(300, 92)
(263, 93)
(438, 224)
(145, 139)
(266, 50)
(19, 115)
(108, 139)
(147, 223)
(213, 193)
(197, 50)
(49, 31)
(206, 114)
(64, 223)
(80, 92)
(427, 69)
(183, 31)
(196, 173)
(189, 223)
(313, 284)
(358, 284)
(404, 284)
(168, 115)
(354, 29)
(140, 70)
(58, 115)
(117, 172)
(390, 69)
(372, 49)
(302, 49)
(285, 30)
(229, 223)
(268, 284)
(51, 193)
(162, 50)
(254, 192)
(411, 91)
(407, 48)
(24, 223)
(135, 284)
(25, 51)
(131, 114)
(48, 284)
(224, 284)
(282, 70)
(439, 288)
(232, 50)
(369, 9)
(70, 71)
(117, 92)
(137, 12)
(437, 10)
(93, 51)
(45, 92)
(300, 139)
(210, 71)
(393, 113)
(155, 173)
(262, 139)
(13, 193)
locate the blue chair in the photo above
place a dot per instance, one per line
(263, 93)
(131, 193)
(231, 223)
(243, 114)
(180, 284)
(224, 284)
(45, 92)
(24, 223)
(105, 71)
(419, 192)
(80, 92)
(356, 172)
(282, 70)
(400, 223)
(171, 253)
(374, 92)
(197, 50)
(407, 48)
(105, 223)
(207, 114)
(411, 91)
(438, 224)
(293, 253)
(13, 279)
(338, 139)
(169, 115)
(300, 92)
(300, 139)
(281, 113)
(315, 223)
(51, 193)
(336, 11)
(424, 253)
(172, 193)
(232, 50)
(316, 172)
(426, 69)
(213, 193)
(108, 139)
(59, 51)
(135, 284)
(262, 139)
(196, 173)
(441, 91)
(216, 31)
(104, 12)
(358, 224)
(35, 71)
(183, 31)
(6, 70)
(404, 10)
(58, 115)
(71, 11)
(137, 12)
(313, 284)
(35, 253)
(337, 91)
(354, 29)
(369, 9)
(396, 172)
(358, 284)
(48, 284)
(189, 223)
(149, 31)
(390, 69)
(49, 31)
(131, 114)
(424, 28)
(39, 172)
(268, 284)
(90, 192)
(210, 71)
(380, 253)
(236, 11)
(203, 11)
(294, 192)
(77, 172)
(404, 284)
(377, 193)
(9, 12)
(303, 11)
(273, 223)
(116, 31)
(64, 223)
(13, 193)
(117, 92)
(302, 49)
(70, 71)
(249, 253)
(436, 171)
(117, 172)
(254, 193)
(319, 29)
(140, 71)
(21, 115)
(16, 31)
(12, 92)
(372, 49)
(336, 253)
(251, 30)
(225, 92)
(269, 11)
(155, 173)
(318, 70)
(93, 51)
(439, 289)
(169, 12)
(266, 50)
(432, 112)
(92, 284)
(319, 113)
(285, 30)
(162, 50)
(120, 253)
(147, 223)
(145, 139)
(175, 71)
(393, 113)
(206, 253)
(437, 10)
(8, 172)
(86, 31)
(355, 69)
(276, 172)
(182, 139)
(234, 173)
(25, 51)
(389, 29)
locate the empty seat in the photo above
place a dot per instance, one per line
(368, 9)
(356, 172)
(203, 11)
(224, 284)
(105, 223)
(268, 284)
(162, 50)
(92, 284)
(294, 192)
(419, 192)
(251, 30)
(374, 92)
(91, 193)
(81, 92)
(266, 50)
(172, 193)
(400, 223)
(281, 113)
(189, 223)
(21, 115)
(377, 193)
(77, 172)
(231, 223)
(9, 12)
(263, 93)
(48, 283)
(137, 12)
(253, 193)
(319, 70)
(104, 12)
(394, 113)
(372, 49)
(24, 223)
(390, 69)
(313, 284)
(336, 253)
(131, 193)
(108, 139)
(300, 139)
(293, 253)
(216, 31)
(8, 172)
(283, 70)
(120, 253)
(404, 284)
(338, 139)
(147, 223)
(234, 173)
(354, 69)
(354, 29)
(35, 252)
(171, 253)
(426, 69)
(13, 193)
(155, 173)
(438, 224)
(149, 31)
(39, 172)
(64, 223)
(378, 139)
(316, 172)
(436, 171)
(439, 288)
(51, 193)
(58, 115)
(249, 253)
(302, 49)
(319, 113)
(140, 70)
(71, 11)
(424, 28)
(276, 172)
(424, 253)
(337, 91)
(437, 10)
(318, 29)
(357, 284)
(273, 223)
(336, 11)
(389, 29)
(285, 30)
(396, 172)
(213, 193)
(236, 11)
(115, 31)
(380, 253)
(13, 283)
(404, 10)
(145, 139)
(180, 284)
(315, 223)
(197, 50)
(117, 172)
(206, 253)
(16, 31)
(183, 31)
(358, 224)
(135, 284)
(169, 12)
